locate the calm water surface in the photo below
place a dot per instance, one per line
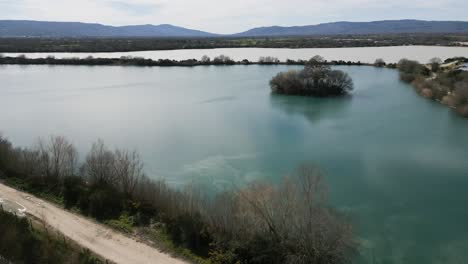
(366, 54)
(396, 163)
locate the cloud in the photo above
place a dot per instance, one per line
(227, 16)
(135, 9)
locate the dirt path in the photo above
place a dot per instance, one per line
(99, 239)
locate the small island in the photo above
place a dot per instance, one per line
(316, 79)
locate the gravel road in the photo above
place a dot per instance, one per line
(100, 239)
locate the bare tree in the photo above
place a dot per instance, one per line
(222, 59)
(128, 169)
(57, 157)
(205, 59)
(316, 62)
(293, 216)
(99, 165)
(268, 60)
(379, 62)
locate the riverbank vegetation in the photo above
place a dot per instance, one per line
(444, 83)
(316, 79)
(22, 241)
(143, 44)
(260, 223)
(138, 61)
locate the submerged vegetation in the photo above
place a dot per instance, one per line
(259, 223)
(445, 83)
(316, 79)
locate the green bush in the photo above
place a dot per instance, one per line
(124, 223)
(104, 202)
(190, 231)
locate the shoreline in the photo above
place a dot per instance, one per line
(222, 48)
(390, 54)
(445, 85)
(142, 62)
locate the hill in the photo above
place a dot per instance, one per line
(24, 28)
(362, 28)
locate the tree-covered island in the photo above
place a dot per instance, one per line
(316, 79)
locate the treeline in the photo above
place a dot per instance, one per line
(22, 242)
(316, 79)
(122, 61)
(138, 61)
(141, 44)
(260, 223)
(444, 83)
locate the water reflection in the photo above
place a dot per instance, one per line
(313, 109)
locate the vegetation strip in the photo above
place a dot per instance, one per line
(144, 44)
(138, 61)
(446, 83)
(259, 223)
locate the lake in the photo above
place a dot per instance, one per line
(365, 54)
(394, 162)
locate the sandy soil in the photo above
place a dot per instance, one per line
(100, 239)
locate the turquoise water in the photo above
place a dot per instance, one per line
(394, 162)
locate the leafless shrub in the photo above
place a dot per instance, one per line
(205, 59)
(461, 93)
(99, 164)
(268, 60)
(57, 157)
(222, 59)
(128, 169)
(293, 215)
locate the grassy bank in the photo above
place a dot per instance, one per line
(29, 241)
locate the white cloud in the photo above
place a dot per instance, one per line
(227, 16)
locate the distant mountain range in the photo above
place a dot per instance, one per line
(24, 28)
(363, 28)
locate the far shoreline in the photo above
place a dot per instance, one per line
(230, 48)
(142, 62)
(390, 54)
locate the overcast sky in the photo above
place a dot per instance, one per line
(230, 16)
